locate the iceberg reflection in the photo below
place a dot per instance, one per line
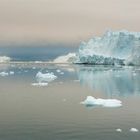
(111, 80)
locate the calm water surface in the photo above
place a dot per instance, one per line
(54, 112)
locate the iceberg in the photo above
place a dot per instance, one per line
(119, 130)
(39, 84)
(11, 72)
(47, 77)
(134, 130)
(91, 101)
(113, 48)
(69, 58)
(4, 59)
(4, 73)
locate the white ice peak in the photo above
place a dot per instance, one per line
(120, 47)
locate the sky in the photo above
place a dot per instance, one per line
(65, 21)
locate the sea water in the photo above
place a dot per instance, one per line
(55, 112)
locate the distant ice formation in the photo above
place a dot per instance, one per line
(58, 70)
(4, 73)
(39, 84)
(134, 130)
(4, 59)
(119, 130)
(47, 77)
(11, 72)
(69, 58)
(91, 101)
(113, 48)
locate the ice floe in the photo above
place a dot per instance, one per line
(69, 58)
(11, 72)
(4, 59)
(4, 73)
(48, 77)
(33, 68)
(91, 101)
(58, 70)
(39, 84)
(119, 130)
(134, 130)
(61, 73)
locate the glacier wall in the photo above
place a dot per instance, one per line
(113, 48)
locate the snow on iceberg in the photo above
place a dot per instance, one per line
(113, 48)
(4, 59)
(69, 58)
(47, 77)
(91, 101)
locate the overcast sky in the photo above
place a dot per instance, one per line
(65, 20)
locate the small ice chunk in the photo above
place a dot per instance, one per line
(45, 77)
(11, 72)
(38, 62)
(62, 73)
(4, 73)
(58, 71)
(119, 130)
(134, 130)
(39, 84)
(33, 68)
(91, 101)
(134, 74)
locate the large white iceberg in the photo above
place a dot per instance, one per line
(46, 77)
(113, 48)
(91, 101)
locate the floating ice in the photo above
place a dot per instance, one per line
(61, 73)
(39, 84)
(134, 130)
(113, 48)
(119, 130)
(69, 58)
(58, 70)
(11, 72)
(48, 77)
(4, 59)
(91, 101)
(4, 73)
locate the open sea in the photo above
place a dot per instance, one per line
(54, 111)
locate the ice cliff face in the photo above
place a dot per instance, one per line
(120, 47)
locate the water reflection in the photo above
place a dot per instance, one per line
(119, 81)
